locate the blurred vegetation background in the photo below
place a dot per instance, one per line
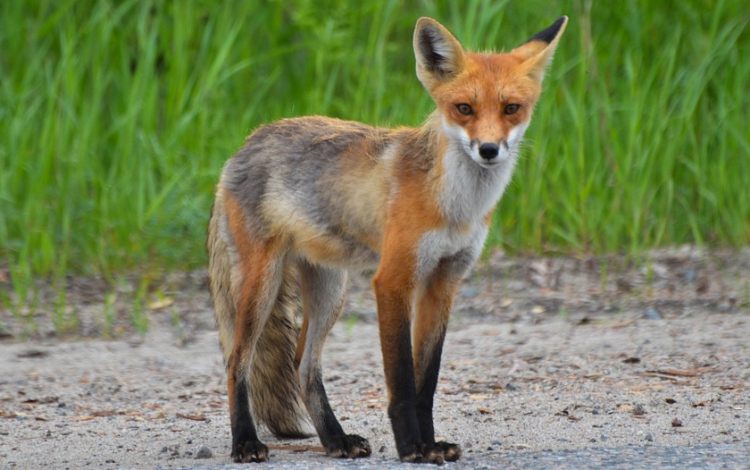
(117, 116)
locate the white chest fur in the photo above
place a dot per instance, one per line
(468, 193)
(436, 245)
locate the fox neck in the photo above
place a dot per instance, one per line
(467, 192)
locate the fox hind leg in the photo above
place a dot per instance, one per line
(256, 277)
(323, 291)
(258, 291)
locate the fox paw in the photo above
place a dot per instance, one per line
(349, 446)
(422, 453)
(451, 452)
(436, 453)
(249, 451)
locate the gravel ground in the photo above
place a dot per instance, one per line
(549, 363)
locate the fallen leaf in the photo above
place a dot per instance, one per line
(568, 413)
(593, 376)
(45, 400)
(296, 448)
(622, 324)
(678, 373)
(675, 380)
(191, 417)
(32, 353)
(632, 360)
(83, 418)
(484, 411)
(160, 303)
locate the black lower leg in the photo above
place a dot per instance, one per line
(401, 409)
(426, 394)
(245, 444)
(332, 436)
(425, 400)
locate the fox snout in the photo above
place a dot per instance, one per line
(490, 153)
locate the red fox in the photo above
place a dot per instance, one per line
(307, 199)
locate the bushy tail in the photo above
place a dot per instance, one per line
(274, 387)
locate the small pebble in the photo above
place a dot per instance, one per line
(649, 438)
(203, 452)
(653, 315)
(512, 387)
(595, 411)
(676, 423)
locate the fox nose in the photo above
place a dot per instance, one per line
(488, 151)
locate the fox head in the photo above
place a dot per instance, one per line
(485, 101)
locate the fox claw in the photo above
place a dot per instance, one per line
(349, 446)
(250, 451)
(437, 453)
(451, 452)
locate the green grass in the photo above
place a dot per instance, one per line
(117, 116)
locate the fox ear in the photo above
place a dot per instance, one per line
(537, 52)
(440, 56)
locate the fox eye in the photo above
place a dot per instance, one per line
(464, 109)
(511, 109)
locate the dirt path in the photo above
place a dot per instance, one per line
(540, 356)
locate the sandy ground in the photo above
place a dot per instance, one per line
(541, 354)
